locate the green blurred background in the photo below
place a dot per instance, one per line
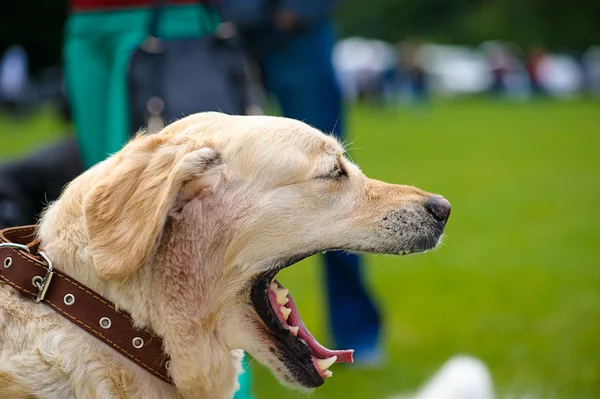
(516, 282)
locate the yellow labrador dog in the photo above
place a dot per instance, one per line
(186, 230)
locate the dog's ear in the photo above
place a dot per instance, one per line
(126, 212)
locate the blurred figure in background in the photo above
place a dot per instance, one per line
(413, 70)
(499, 61)
(293, 42)
(13, 80)
(534, 60)
(591, 66)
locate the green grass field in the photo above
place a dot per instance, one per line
(517, 281)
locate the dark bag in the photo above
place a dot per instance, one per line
(170, 79)
(28, 184)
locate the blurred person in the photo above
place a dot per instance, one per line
(499, 60)
(516, 79)
(413, 69)
(100, 38)
(390, 82)
(293, 42)
(14, 78)
(591, 66)
(534, 60)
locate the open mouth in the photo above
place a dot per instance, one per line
(305, 358)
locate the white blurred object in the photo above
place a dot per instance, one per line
(561, 75)
(456, 69)
(359, 53)
(461, 377)
(359, 62)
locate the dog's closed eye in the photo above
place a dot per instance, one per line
(337, 172)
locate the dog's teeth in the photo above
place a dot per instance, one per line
(294, 330)
(327, 373)
(285, 311)
(282, 298)
(273, 286)
(324, 364)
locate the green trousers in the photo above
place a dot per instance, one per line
(97, 49)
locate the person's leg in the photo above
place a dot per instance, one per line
(124, 43)
(301, 77)
(245, 381)
(86, 77)
(355, 320)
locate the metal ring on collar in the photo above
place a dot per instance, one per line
(137, 342)
(13, 245)
(69, 299)
(105, 323)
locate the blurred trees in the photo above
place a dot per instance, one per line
(566, 25)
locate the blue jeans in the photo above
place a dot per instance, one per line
(297, 70)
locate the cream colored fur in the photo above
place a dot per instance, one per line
(172, 229)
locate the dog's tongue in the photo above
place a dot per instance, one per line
(294, 320)
(318, 350)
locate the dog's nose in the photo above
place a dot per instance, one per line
(439, 207)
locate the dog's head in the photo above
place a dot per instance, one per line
(214, 206)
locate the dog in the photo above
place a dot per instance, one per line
(186, 230)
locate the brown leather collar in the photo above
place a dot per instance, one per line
(27, 269)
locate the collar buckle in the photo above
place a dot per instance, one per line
(43, 284)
